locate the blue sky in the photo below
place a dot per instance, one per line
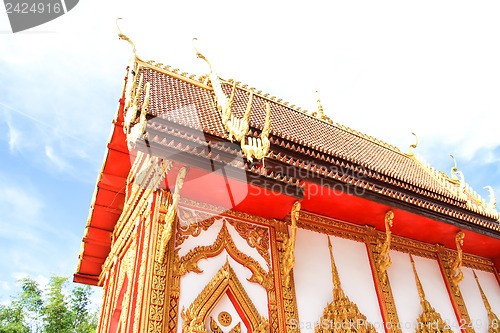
(385, 68)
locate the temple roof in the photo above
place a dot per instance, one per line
(177, 117)
(303, 140)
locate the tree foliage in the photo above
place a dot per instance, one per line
(57, 308)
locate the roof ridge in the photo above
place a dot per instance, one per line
(326, 121)
(202, 81)
(480, 205)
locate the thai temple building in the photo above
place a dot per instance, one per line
(222, 209)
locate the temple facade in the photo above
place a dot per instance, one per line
(222, 209)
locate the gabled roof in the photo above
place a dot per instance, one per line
(299, 139)
(181, 121)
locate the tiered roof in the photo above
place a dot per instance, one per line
(306, 142)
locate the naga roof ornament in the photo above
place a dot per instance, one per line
(413, 146)
(237, 128)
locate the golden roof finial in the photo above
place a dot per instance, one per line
(414, 146)
(454, 170)
(485, 300)
(201, 56)
(320, 115)
(335, 273)
(341, 310)
(492, 205)
(493, 319)
(429, 320)
(122, 36)
(419, 285)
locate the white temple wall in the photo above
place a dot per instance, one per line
(474, 301)
(313, 277)
(405, 292)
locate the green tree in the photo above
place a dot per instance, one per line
(31, 303)
(12, 319)
(83, 321)
(58, 315)
(57, 308)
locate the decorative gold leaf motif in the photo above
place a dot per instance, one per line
(214, 327)
(189, 262)
(256, 236)
(258, 147)
(194, 222)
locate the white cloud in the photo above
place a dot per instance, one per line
(55, 159)
(19, 204)
(14, 137)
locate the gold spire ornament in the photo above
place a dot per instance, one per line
(429, 320)
(320, 114)
(341, 315)
(456, 264)
(494, 322)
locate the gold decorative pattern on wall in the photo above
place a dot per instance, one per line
(383, 249)
(287, 286)
(193, 223)
(445, 258)
(288, 260)
(194, 318)
(456, 264)
(384, 291)
(196, 221)
(256, 236)
(189, 262)
(341, 315)
(429, 320)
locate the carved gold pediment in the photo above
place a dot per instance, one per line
(225, 281)
(193, 222)
(189, 262)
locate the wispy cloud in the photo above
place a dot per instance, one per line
(55, 159)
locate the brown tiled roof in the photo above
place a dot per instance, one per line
(192, 104)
